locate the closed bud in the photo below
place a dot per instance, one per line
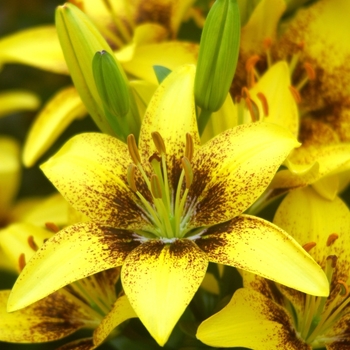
(218, 55)
(111, 83)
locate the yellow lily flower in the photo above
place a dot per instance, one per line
(164, 211)
(267, 315)
(79, 305)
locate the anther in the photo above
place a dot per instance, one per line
(21, 262)
(264, 103)
(251, 62)
(253, 109)
(188, 171)
(295, 94)
(134, 152)
(331, 239)
(333, 259)
(344, 289)
(267, 42)
(308, 246)
(155, 187)
(245, 92)
(189, 147)
(131, 177)
(52, 227)
(311, 74)
(158, 142)
(32, 244)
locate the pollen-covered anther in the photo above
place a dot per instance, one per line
(253, 109)
(344, 289)
(131, 177)
(251, 62)
(52, 227)
(21, 262)
(32, 244)
(308, 246)
(158, 142)
(264, 104)
(310, 71)
(155, 187)
(295, 94)
(188, 171)
(189, 149)
(250, 68)
(331, 239)
(245, 93)
(267, 42)
(133, 150)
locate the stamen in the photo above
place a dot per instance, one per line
(308, 246)
(252, 73)
(251, 62)
(253, 109)
(189, 147)
(267, 46)
(131, 177)
(188, 171)
(344, 289)
(245, 93)
(155, 186)
(295, 94)
(310, 71)
(133, 150)
(32, 244)
(264, 103)
(331, 239)
(21, 262)
(52, 227)
(158, 142)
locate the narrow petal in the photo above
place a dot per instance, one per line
(305, 215)
(234, 168)
(10, 170)
(256, 245)
(90, 171)
(171, 112)
(160, 281)
(140, 60)
(120, 312)
(53, 119)
(253, 321)
(49, 319)
(17, 100)
(71, 254)
(38, 47)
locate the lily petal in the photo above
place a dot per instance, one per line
(120, 312)
(168, 54)
(253, 321)
(17, 100)
(40, 45)
(52, 318)
(234, 168)
(256, 245)
(53, 119)
(89, 246)
(79, 344)
(90, 171)
(160, 280)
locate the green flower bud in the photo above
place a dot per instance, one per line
(218, 55)
(80, 40)
(111, 83)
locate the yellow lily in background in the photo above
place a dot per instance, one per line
(153, 211)
(267, 315)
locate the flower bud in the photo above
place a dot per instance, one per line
(80, 40)
(111, 83)
(218, 55)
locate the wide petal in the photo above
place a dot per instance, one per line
(90, 171)
(120, 312)
(139, 60)
(52, 318)
(305, 215)
(251, 320)
(38, 47)
(160, 280)
(233, 169)
(71, 254)
(53, 119)
(321, 29)
(17, 100)
(256, 245)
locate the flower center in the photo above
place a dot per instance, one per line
(320, 313)
(166, 208)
